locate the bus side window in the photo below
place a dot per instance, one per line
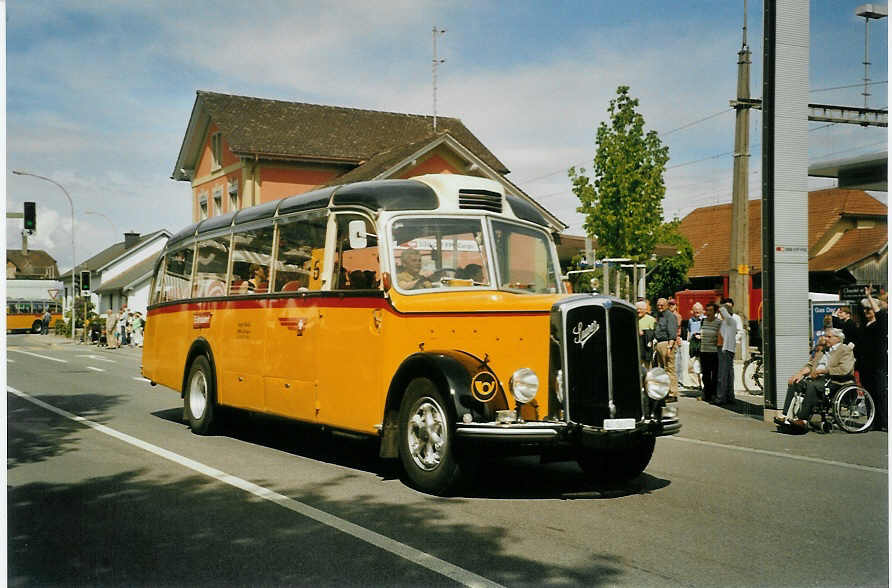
(301, 252)
(12, 308)
(24, 308)
(159, 283)
(356, 269)
(210, 272)
(178, 274)
(251, 259)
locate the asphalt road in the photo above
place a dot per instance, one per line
(107, 486)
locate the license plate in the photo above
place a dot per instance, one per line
(619, 424)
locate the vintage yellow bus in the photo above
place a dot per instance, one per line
(27, 315)
(428, 313)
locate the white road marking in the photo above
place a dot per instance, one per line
(38, 355)
(138, 379)
(402, 550)
(97, 358)
(10, 360)
(841, 464)
(95, 369)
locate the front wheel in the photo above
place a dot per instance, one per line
(426, 439)
(853, 409)
(37, 327)
(617, 465)
(198, 398)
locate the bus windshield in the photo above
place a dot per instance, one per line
(524, 259)
(440, 253)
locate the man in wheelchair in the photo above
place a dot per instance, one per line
(831, 367)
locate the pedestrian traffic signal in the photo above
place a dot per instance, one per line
(30, 216)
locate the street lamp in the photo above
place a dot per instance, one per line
(73, 261)
(114, 228)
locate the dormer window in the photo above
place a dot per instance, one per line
(216, 151)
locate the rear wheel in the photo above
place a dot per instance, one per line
(37, 327)
(853, 409)
(617, 465)
(752, 375)
(426, 439)
(198, 399)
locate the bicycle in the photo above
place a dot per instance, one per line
(753, 374)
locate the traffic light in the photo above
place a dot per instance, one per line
(30, 216)
(85, 283)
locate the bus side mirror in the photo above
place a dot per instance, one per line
(358, 237)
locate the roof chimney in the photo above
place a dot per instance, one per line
(130, 239)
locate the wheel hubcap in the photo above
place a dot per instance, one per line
(427, 434)
(198, 394)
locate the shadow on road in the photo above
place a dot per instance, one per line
(38, 435)
(132, 529)
(509, 478)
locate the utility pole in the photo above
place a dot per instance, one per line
(435, 32)
(869, 11)
(739, 272)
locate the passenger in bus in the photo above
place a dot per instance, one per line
(358, 280)
(473, 272)
(409, 277)
(258, 283)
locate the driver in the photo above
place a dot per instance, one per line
(409, 277)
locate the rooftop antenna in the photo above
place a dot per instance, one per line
(869, 11)
(435, 32)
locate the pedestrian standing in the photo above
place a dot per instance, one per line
(665, 334)
(138, 325)
(646, 325)
(709, 356)
(691, 332)
(45, 322)
(727, 343)
(874, 338)
(111, 329)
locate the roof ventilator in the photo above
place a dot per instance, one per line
(480, 200)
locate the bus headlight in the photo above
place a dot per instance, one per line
(524, 384)
(656, 382)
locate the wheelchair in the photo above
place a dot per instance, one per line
(847, 404)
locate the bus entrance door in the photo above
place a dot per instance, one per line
(289, 382)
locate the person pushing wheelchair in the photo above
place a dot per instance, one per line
(836, 363)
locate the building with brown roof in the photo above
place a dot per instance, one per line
(847, 241)
(240, 151)
(33, 264)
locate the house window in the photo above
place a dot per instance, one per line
(202, 206)
(218, 201)
(216, 151)
(233, 195)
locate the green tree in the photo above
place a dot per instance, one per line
(669, 274)
(623, 203)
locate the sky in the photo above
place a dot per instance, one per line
(99, 93)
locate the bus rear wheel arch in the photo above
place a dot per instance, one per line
(37, 327)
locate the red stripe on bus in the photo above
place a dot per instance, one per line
(328, 302)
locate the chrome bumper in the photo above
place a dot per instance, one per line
(559, 431)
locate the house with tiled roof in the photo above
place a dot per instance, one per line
(121, 274)
(847, 241)
(31, 264)
(240, 151)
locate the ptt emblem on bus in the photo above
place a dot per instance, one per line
(201, 320)
(484, 386)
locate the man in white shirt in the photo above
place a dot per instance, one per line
(727, 344)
